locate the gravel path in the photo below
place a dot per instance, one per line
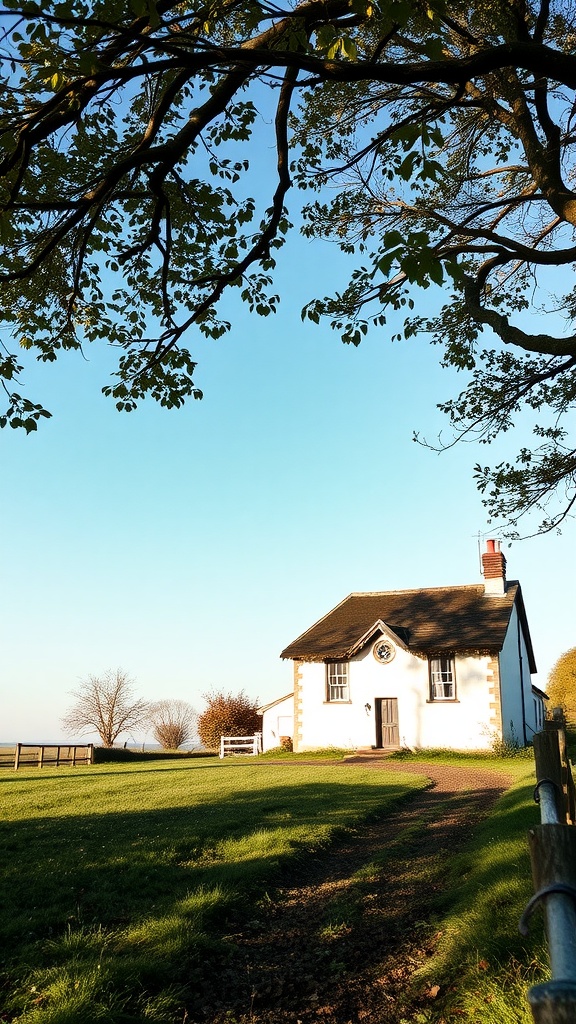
(340, 943)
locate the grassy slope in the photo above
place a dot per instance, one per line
(119, 880)
(482, 965)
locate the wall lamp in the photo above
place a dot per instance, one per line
(367, 708)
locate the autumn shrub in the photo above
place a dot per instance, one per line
(227, 714)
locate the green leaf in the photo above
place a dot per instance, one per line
(349, 48)
(436, 272)
(392, 239)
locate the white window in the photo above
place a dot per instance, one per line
(337, 687)
(442, 679)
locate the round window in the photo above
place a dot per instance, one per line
(384, 651)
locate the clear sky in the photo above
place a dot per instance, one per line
(190, 547)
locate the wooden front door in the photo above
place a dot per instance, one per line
(387, 730)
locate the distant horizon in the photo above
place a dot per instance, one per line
(81, 743)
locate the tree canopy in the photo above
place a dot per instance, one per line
(107, 705)
(127, 130)
(561, 687)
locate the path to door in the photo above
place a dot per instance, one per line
(338, 945)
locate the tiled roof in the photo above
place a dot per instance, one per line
(429, 621)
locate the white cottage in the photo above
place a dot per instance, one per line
(277, 722)
(439, 667)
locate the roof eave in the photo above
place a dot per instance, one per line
(519, 601)
(378, 627)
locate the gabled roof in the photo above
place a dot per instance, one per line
(379, 628)
(273, 703)
(428, 621)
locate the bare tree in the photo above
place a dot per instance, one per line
(173, 722)
(107, 705)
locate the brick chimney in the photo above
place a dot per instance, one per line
(494, 568)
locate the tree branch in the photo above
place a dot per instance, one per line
(510, 335)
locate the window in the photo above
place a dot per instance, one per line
(442, 679)
(337, 681)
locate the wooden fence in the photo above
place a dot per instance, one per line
(40, 755)
(241, 744)
(553, 856)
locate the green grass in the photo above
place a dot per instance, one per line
(482, 964)
(320, 754)
(119, 881)
(469, 759)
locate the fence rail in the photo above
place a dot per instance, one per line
(241, 744)
(553, 857)
(40, 755)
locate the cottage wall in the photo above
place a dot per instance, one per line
(277, 721)
(461, 724)
(518, 712)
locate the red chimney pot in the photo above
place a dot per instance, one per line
(494, 566)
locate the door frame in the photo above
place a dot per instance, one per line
(378, 702)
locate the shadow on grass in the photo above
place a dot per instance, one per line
(105, 868)
(108, 910)
(71, 774)
(356, 921)
(127, 916)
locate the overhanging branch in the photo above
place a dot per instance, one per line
(507, 332)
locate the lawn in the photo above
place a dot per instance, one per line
(481, 964)
(120, 880)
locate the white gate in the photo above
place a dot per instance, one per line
(241, 744)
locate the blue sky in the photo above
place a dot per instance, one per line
(189, 547)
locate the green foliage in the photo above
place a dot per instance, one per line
(319, 754)
(146, 869)
(561, 686)
(227, 714)
(499, 749)
(511, 748)
(438, 149)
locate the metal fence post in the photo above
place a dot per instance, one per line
(549, 766)
(553, 857)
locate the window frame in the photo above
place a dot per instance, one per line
(447, 668)
(338, 678)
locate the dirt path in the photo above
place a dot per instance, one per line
(340, 943)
